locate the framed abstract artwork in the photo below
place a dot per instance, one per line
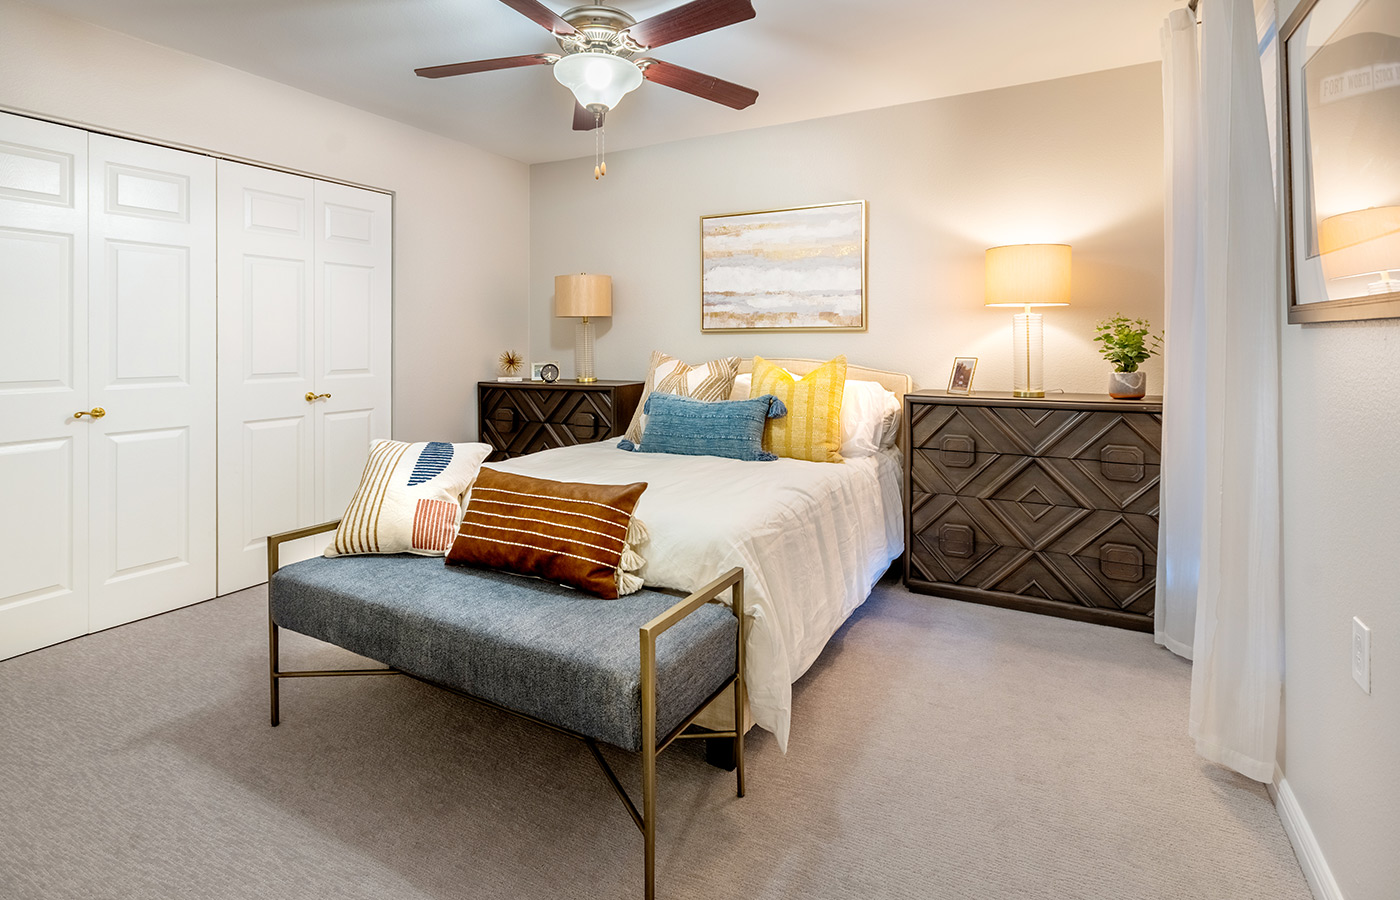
(797, 269)
(1340, 77)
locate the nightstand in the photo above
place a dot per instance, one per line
(519, 417)
(1048, 505)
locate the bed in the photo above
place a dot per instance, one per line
(812, 539)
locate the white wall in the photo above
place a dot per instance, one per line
(1341, 551)
(461, 214)
(1076, 160)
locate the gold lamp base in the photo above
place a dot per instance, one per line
(1028, 393)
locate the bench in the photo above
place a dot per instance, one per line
(632, 672)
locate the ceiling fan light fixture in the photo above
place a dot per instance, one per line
(597, 78)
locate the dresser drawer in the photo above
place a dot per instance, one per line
(1121, 442)
(1048, 481)
(966, 526)
(1048, 579)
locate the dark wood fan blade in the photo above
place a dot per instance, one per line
(583, 119)
(696, 17)
(486, 65)
(541, 15)
(735, 96)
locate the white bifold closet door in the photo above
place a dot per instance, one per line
(107, 303)
(305, 356)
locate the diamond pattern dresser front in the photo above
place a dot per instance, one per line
(1047, 505)
(519, 417)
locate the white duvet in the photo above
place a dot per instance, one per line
(812, 538)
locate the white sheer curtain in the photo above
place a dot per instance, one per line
(1238, 673)
(1221, 453)
(1184, 394)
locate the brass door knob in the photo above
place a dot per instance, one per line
(96, 412)
(312, 397)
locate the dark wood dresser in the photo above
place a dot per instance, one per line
(1047, 505)
(519, 417)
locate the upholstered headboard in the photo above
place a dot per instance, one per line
(896, 382)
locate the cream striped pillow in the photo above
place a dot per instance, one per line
(812, 428)
(668, 375)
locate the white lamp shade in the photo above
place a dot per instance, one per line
(1361, 242)
(583, 295)
(597, 78)
(1028, 275)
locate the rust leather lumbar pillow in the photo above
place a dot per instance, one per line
(582, 535)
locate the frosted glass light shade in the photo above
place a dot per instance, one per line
(597, 78)
(1028, 275)
(1028, 355)
(1361, 242)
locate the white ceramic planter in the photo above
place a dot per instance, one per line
(1127, 385)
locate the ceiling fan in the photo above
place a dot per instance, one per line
(599, 43)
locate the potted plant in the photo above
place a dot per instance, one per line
(1127, 343)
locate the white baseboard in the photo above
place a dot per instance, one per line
(1305, 846)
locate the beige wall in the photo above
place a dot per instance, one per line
(1076, 160)
(1341, 551)
(461, 226)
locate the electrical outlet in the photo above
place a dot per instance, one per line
(1361, 654)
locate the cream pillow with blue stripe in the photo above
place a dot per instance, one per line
(409, 499)
(811, 429)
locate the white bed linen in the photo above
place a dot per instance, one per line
(812, 538)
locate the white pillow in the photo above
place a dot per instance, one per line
(869, 418)
(869, 415)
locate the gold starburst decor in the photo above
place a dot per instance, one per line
(510, 362)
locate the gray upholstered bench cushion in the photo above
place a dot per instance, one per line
(550, 652)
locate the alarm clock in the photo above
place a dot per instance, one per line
(549, 372)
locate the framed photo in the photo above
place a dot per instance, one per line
(537, 368)
(960, 380)
(799, 269)
(1340, 80)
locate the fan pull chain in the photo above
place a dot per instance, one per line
(600, 165)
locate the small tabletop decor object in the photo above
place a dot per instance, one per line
(1127, 343)
(960, 381)
(510, 362)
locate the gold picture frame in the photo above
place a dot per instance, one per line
(960, 379)
(800, 268)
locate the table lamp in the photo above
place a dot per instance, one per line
(583, 296)
(1362, 242)
(1028, 275)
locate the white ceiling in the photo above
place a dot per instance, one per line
(806, 58)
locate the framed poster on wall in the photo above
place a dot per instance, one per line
(798, 269)
(1341, 164)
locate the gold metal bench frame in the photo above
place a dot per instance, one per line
(645, 820)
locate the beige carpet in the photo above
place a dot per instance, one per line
(939, 750)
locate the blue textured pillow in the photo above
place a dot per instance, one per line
(688, 427)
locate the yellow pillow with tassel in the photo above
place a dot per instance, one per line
(812, 428)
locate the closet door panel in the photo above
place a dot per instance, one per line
(152, 512)
(43, 381)
(266, 367)
(354, 337)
